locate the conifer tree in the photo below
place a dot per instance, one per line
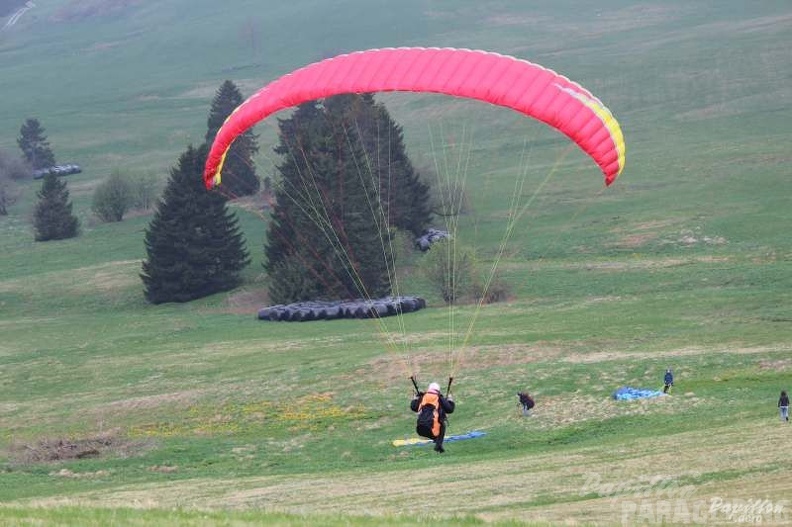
(52, 216)
(34, 145)
(194, 246)
(239, 171)
(347, 184)
(327, 237)
(403, 196)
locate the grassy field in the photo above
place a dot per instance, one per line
(116, 412)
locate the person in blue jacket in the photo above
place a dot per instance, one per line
(668, 380)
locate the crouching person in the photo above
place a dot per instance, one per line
(432, 409)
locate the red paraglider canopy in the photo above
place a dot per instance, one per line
(490, 77)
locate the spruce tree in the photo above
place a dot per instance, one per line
(193, 243)
(403, 196)
(326, 238)
(34, 145)
(239, 171)
(362, 213)
(52, 216)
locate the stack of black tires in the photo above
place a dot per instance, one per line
(330, 310)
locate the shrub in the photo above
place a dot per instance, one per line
(113, 197)
(451, 269)
(13, 167)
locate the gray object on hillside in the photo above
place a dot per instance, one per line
(430, 236)
(330, 310)
(58, 170)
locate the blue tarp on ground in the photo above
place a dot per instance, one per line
(628, 393)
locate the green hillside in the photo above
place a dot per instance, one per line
(117, 412)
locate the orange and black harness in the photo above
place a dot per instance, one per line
(429, 399)
(432, 399)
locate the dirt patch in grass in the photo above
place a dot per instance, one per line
(639, 234)
(632, 241)
(66, 473)
(775, 365)
(246, 302)
(163, 469)
(53, 450)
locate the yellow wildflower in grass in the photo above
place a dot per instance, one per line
(311, 412)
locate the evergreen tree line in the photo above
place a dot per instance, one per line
(53, 218)
(194, 245)
(346, 186)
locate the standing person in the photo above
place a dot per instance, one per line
(783, 406)
(526, 401)
(432, 410)
(668, 380)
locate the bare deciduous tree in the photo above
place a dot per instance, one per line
(11, 169)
